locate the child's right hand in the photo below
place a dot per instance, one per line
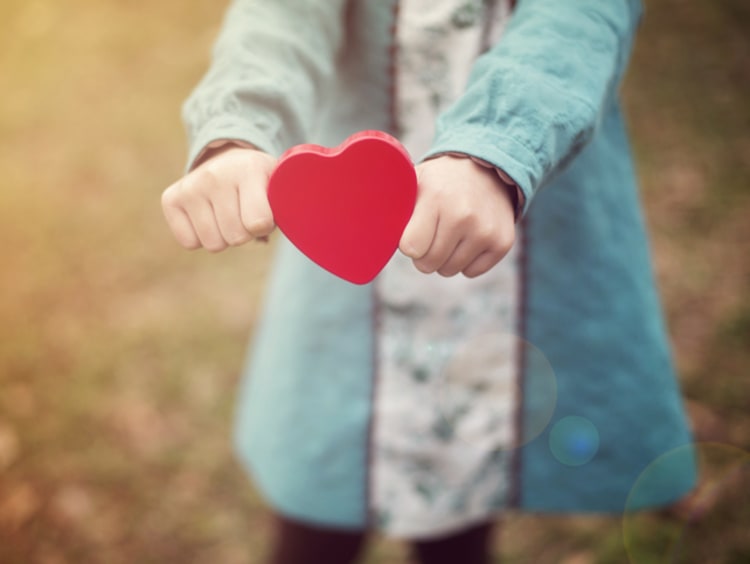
(223, 202)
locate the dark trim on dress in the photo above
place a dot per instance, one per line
(516, 463)
(370, 517)
(393, 121)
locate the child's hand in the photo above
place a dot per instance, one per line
(223, 201)
(463, 220)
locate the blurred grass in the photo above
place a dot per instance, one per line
(119, 353)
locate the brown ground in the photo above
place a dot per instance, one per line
(119, 353)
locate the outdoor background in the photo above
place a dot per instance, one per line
(119, 352)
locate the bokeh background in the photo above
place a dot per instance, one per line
(119, 352)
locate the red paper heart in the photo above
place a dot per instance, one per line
(345, 207)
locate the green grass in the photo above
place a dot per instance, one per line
(119, 353)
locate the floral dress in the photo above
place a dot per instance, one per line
(445, 345)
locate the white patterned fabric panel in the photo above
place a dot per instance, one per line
(444, 403)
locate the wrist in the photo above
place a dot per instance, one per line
(218, 146)
(504, 180)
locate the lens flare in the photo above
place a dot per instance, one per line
(694, 528)
(574, 440)
(479, 392)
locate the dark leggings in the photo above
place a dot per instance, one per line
(300, 543)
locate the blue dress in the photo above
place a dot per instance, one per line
(418, 404)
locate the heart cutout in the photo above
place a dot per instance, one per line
(345, 207)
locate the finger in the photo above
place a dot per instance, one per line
(419, 233)
(454, 223)
(202, 217)
(182, 229)
(463, 255)
(483, 240)
(178, 222)
(191, 193)
(443, 246)
(226, 206)
(483, 263)
(255, 211)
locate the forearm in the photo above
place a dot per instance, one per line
(535, 99)
(271, 66)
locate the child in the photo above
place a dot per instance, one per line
(513, 354)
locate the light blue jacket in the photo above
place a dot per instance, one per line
(540, 105)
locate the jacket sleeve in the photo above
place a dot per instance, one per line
(534, 100)
(272, 64)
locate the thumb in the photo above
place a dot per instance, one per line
(419, 233)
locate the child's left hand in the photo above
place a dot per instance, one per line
(463, 221)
